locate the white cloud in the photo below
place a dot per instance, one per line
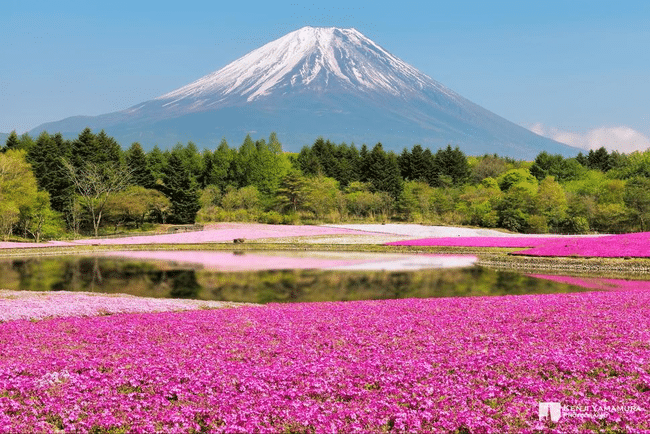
(623, 139)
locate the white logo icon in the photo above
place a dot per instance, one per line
(550, 409)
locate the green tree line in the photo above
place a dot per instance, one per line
(50, 185)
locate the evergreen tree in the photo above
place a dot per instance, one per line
(383, 171)
(453, 164)
(404, 162)
(222, 158)
(156, 163)
(308, 162)
(181, 189)
(290, 194)
(46, 158)
(422, 164)
(107, 150)
(599, 160)
(363, 163)
(136, 161)
(84, 149)
(13, 142)
(241, 165)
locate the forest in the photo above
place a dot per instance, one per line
(52, 188)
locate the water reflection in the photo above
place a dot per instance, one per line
(169, 280)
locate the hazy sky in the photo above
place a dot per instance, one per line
(576, 70)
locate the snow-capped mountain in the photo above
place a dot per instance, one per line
(312, 82)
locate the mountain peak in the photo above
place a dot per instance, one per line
(318, 81)
(311, 58)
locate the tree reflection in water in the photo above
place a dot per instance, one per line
(159, 279)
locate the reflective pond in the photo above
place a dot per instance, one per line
(163, 279)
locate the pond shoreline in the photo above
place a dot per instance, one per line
(497, 258)
(362, 238)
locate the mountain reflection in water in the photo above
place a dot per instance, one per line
(169, 280)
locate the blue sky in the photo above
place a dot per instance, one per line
(577, 70)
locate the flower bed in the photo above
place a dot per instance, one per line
(30, 305)
(476, 242)
(635, 245)
(215, 233)
(608, 246)
(432, 365)
(597, 282)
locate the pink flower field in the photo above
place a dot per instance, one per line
(30, 305)
(457, 365)
(635, 245)
(476, 242)
(598, 283)
(214, 233)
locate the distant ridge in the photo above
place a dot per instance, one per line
(312, 82)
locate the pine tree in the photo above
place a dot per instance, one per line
(84, 148)
(136, 161)
(13, 142)
(222, 158)
(453, 164)
(46, 158)
(383, 171)
(156, 163)
(181, 189)
(404, 162)
(107, 149)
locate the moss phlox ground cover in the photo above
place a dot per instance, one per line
(479, 365)
(609, 246)
(30, 305)
(599, 283)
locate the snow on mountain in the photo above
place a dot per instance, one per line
(312, 82)
(311, 58)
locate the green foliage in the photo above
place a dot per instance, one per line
(325, 182)
(20, 200)
(556, 166)
(599, 160)
(290, 193)
(478, 204)
(322, 196)
(37, 219)
(551, 204)
(382, 171)
(46, 158)
(637, 200)
(611, 218)
(136, 161)
(415, 202)
(218, 170)
(452, 163)
(341, 162)
(360, 202)
(95, 184)
(135, 204)
(12, 143)
(98, 149)
(418, 165)
(489, 166)
(516, 177)
(246, 198)
(636, 164)
(181, 189)
(156, 163)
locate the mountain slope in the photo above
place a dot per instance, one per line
(314, 82)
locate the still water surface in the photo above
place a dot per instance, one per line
(174, 280)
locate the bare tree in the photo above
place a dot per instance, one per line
(95, 184)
